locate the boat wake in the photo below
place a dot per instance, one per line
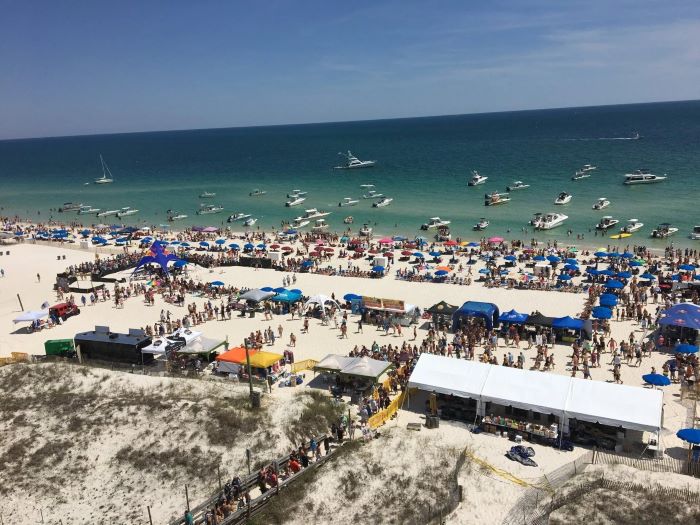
(633, 137)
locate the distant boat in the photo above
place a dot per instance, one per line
(477, 179)
(550, 220)
(126, 211)
(105, 170)
(177, 217)
(348, 220)
(632, 226)
(250, 221)
(517, 185)
(381, 203)
(207, 195)
(348, 201)
(208, 209)
(434, 222)
(372, 194)
(663, 230)
(365, 231)
(563, 198)
(601, 204)
(237, 217)
(495, 198)
(642, 176)
(296, 193)
(70, 206)
(87, 209)
(353, 162)
(257, 193)
(481, 225)
(108, 213)
(320, 225)
(606, 223)
(295, 202)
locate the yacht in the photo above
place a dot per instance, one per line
(348, 201)
(606, 223)
(352, 162)
(250, 221)
(434, 222)
(257, 193)
(517, 185)
(237, 217)
(87, 209)
(320, 225)
(601, 204)
(126, 211)
(663, 230)
(372, 194)
(348, 220)
(365, 231)
(381, 203)
(295, 202)
(70, 206)
(632, 226)
(550, 220)
(495, 198)
(105, 171)
(207, 195)
(481, 225)
(476, 179)
(563, 198)
(296, 193)
(208, 209)
(108, 213)
(695, 235)
(300, 222)
(642, 176)
(176, 217)
(313, 213)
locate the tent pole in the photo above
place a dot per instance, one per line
(250, 375)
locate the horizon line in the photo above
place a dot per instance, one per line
(290, 124)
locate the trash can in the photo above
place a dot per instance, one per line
(61, 347)
(255, 398)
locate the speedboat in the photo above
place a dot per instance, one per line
(296, 193)
(237, 217)
(348, 201)
(495, 198)
(365, 231)
(695, 235)
(642, 176)
(348, 220)
(443, 234)
(352, 162)
(320, 225)
(126, 211)
(87, 209)
(207, 195)
(105, 171)
(551, 220)
(632, 226)
(177, 217)
(257, 193)
(481, 225)
(108, 213)
(208, 209)
(295, 202)
(606, 223)
(601, 204)
(476, 179)
(372, 194)
(70, 206)
(384, 201)
(250, 221)
(535, 219)
(663, 230)
(434, 222)
(587, 168)
(300, 222)
(517, 185)
(580, 174)
(563, 198)
(313, 213)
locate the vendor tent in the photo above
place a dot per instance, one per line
(333, 363)
(366, 368)
(686, 315)
(442, 308)
(232, 360)
(537, 319)
(449, 376)
(256, 295)
(486, 311)
(568, 323)
(513, 317)
(263, 359)
(201, 345)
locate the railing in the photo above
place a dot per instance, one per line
(386, 414)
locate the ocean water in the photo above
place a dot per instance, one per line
(423, 163)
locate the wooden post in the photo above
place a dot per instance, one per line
(150, 520)
(247, 455)
(187, 498)
(21, 306)
(218, 472)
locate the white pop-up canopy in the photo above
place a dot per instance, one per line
(30, 316)
(449, 376)
(320, 300)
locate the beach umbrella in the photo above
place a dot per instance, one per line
(220, 241)
(296, 291)
(607, 273)
(123, 239)
(217, 283)
(378, 269)
(398, 238)
(484, 271)
(435, 254)
(690, 435)
(539, 258)
(279, 290)
(686, 267)
(592, 271)
(613, 254)
(510, 258)
(697, 277)
(248, 246)
(503, 272)
(647, 276)
(441, 273)
(627, 255)
(601, 254)
(234, 246)
(351, 297)
(608, 299)
(451, 243)
(84, 233)
(624, 275)
(513, 317)
(306, 264)
(267, 289)
(601, 312)
(261, 246)
(686, 349)
(185, 244)
(656, 379)
(444, 268)
(564, 277)
(636, 263)
(287, 249)
(385, 240)
(204, 244)
(180, 263)
(571, 267)
(388, 254)
(275, 246)
(614, 285)
(495, 239)
(473, 245)
(571, 260)
(419, 255)
(373, 251)
(406, 253)
(553, 258)
(676, 277)
(314, 254)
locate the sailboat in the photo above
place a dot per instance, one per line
(105, 170)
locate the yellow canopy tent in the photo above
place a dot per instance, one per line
(264, 359)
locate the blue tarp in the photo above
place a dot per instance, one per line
(513, 317)
(686, 315)
(486, 311)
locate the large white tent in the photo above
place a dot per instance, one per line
(629, 407)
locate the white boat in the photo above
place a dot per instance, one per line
(87, 209)
(348, 201)
(300, 222)
(663, 230)
(352, 162)
(494, 198)
(105, 171)
(535, 219)
(107, 213)
(313, 213)
(126, 211)
(320, 225)
(365, 231)
(601, 204)
(70, 206)
(443, 234)
(250, 221)
(550, 220)
(372, 194)
(563, 198)
(581, 175)
(642, 176)
(296, 193)
(481, 225)
(587, 168)
(348, 220)
(295, 202)
(606, 223)
(434, 222)
(177, 217)
(208, 209)
(517, 185)
(207, 195)
(632, 226)
(476, 179)
(257, 193)
(366, 185)
(385, 201)
(237, 217)
(695, 235)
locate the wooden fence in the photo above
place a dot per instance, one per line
(15, 357)
(665, 464)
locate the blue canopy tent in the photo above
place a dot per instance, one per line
(686, 349)
(608, 299)
(553, 259)
(539, 258)
(513, 317)
(441, 273)
(601, 254)
(378, 269)
(686, 267)
(607, 273)
(267, 289)
(686, 315)
(568, 323)
(486, 311)
(624, 275)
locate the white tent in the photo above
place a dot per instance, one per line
(333, 362)
(450, 376)
(320, 300)
(256, 295)
(366, 367)
(186, 334)
(31, 316)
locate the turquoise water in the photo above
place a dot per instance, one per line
(423, 163)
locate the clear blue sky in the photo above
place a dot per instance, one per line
(97, 66)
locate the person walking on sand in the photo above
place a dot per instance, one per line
(292, 340)
(38, 278)
(306, 326)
